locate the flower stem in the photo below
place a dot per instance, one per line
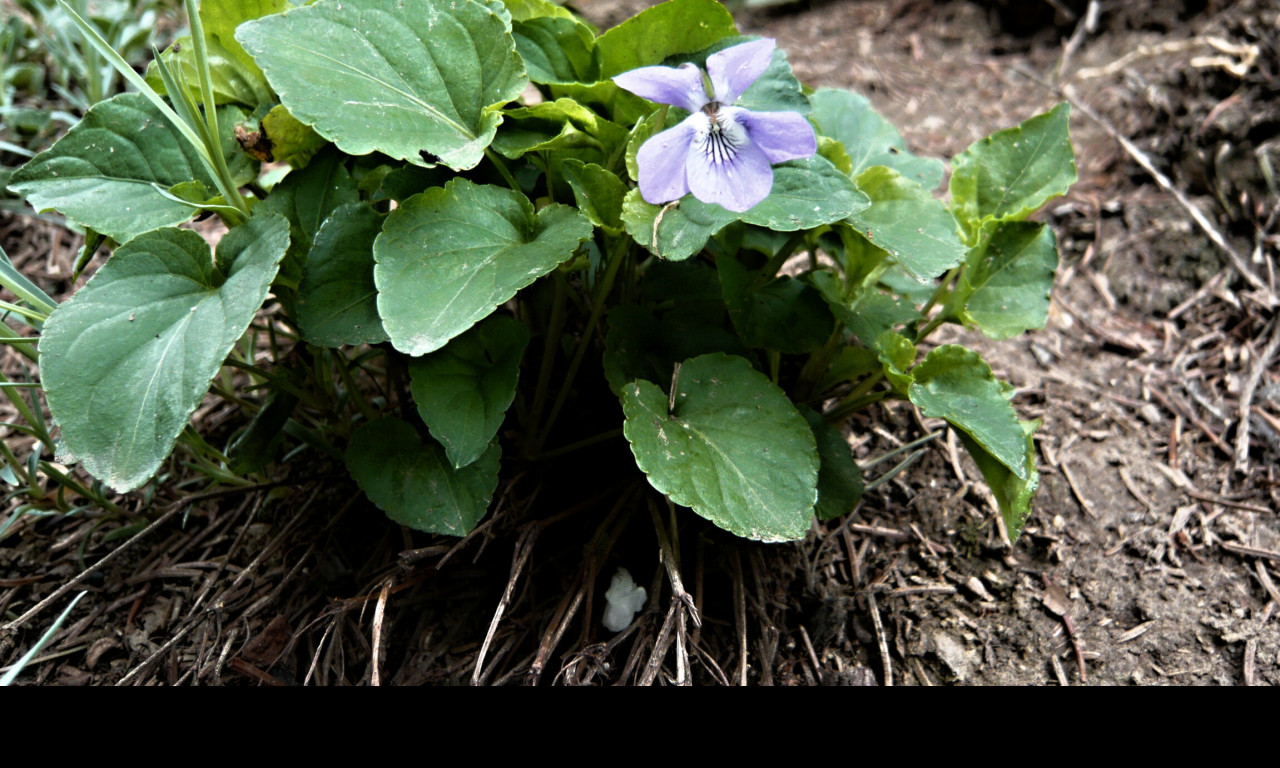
(771, 268)
(551, 342)
(587, 443)
(944, 289)
(502, 169)
(603, 288)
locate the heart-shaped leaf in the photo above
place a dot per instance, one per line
(905, 220)
(840, 482)
(734, 449)
(103, 174)
(653, 35)
(1013, 491)
(1011, 173)
(1009, 279)
(868, 138)
(464, 389)
(392, 77)
(337, 300)
(413, 482)
(955, 384)
(448, 256)
(127, 359)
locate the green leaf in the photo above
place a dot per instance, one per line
(653, 35)
(337, 300)
(835, 152)
(1013, 492)
(306, 197)
(868, 315)
(463, 390)
(242, 166)
(674, 232)
(1011, 173)
(806, 194)
(557, 50)
(21, 286)
(563, 124)
(840, 483)
(868, 138)
(128, 358)
(849, 364)
(734, 450)
(905, 220)
(783, 314)
(413, 482)
(896, 353)
(101, 174)
(363, 73)
(448, 256)
(597, 192)
(524, 10)
(642, 346)
(955, 384)
(256, 446)
(292, 141)
(235, 77)
(234, 81)
(1008, 280)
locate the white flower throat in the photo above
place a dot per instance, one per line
(720, 136)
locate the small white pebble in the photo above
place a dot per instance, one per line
(623, 600)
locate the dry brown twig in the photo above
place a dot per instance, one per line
(880, 639)
(1260, 365)
(523, 549)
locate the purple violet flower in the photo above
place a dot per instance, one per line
(721, 153)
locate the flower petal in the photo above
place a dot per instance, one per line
(781, 136)
(733, 70)
(661, 162)
(678, 86)
(737, 181)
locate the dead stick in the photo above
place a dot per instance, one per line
(1246, 396)
(524, 547)
(70, 585)
(880, 639)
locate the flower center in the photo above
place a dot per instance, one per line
(722, 136)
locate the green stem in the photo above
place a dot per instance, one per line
(353, 392)
(550, 345)
(774, 264)
(587, 443)
(546, 169)
(944, 289)
(817, 364)
(502, 169)
(68, 482)
(13, 462)
(850, 407)
(36, 422)
(603, 288)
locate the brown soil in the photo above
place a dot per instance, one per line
(1153, 554)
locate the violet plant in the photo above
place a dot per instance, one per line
(437, 249)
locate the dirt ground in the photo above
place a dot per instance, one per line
(1154, 550)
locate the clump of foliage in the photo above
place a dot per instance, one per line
(437, 249)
